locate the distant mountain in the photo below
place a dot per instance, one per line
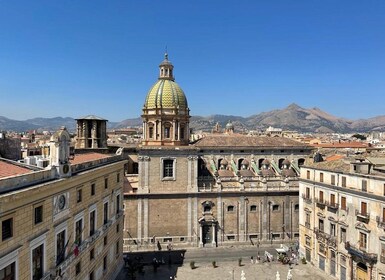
(293, 117)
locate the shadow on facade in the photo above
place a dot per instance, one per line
(137, 263)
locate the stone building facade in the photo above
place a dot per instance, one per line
(222, 189)
(64, 221)
(342, 217)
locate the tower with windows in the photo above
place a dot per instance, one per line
(165, 112)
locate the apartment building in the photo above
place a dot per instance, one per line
(342, 216)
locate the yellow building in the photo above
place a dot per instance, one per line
(342, 216)
(64, 221)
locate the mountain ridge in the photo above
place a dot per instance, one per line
(292, 117)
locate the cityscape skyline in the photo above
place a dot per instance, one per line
(259, 56)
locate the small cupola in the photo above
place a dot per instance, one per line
(166, 69)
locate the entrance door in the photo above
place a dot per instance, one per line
(207, 234)
(362, 272)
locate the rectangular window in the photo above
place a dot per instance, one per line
(307, 192)
(93, 189)
(364, 209)
(117, 227)
(307, 241)
(321, 196)
(333, 179)
(364, 186)
(321, 224)
(105, 240)
(7, 228)
(307, 220)
(8, 272)
(321, 177)
(105, 263)
(118, 204)
(105, 213)
(332, 199)
(343, 234)
(308, 174)
(332, 229)
(118, 177)
(78, 231)
(92, 276)
(37, 263)
(168, 168)
(92, 222)
(343, 178)
(79, 195)
(384, 189)
(106, 183)
(230, 208)
(60, 247)
(151, 132)
(38, 213)
(363, 240)
(92, 254)
(343, 202)
(275, 207)
(117, 248)
(78, 268)
(383, 215)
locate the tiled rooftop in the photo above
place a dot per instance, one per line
(10, 169)
(247, 141)
(81, 158)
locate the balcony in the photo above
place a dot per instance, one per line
(362, 216)
(306, 199)
(321, 203)
(325, 237)
(332, 206)
(361, 253)
(380, 222)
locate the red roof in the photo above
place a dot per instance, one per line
(334, 157)
(9, 169)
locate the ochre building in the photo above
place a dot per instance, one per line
(222, 189)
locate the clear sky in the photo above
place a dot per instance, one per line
(73, 58)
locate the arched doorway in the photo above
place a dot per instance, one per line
(361, 271)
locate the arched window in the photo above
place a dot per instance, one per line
(301, 161)
(167, 131)
(280, 161)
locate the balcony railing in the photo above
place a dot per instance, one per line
(333, 206)
(361, 253)
(321, 203)
(362, 216)
(306, 198)
(325, 237)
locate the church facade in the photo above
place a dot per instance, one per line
(222, 189)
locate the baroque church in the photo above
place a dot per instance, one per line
(225, 188)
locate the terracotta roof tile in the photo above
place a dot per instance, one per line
(80, 158)
(9, 169)
(224, 141)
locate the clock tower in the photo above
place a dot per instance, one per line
(60, 151)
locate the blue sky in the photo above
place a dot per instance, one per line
(73, 58)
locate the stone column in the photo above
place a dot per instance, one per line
(189, 220)
(213, 228)
(241, 218)
(219, 217)
(265, 228)
(139, 220)
(145, 219)
(189, 171)
(195, 174)
(195, 219)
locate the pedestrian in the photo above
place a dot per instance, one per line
(251, 259)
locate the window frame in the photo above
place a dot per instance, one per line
(163, 176)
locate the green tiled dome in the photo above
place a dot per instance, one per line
(165, 93)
